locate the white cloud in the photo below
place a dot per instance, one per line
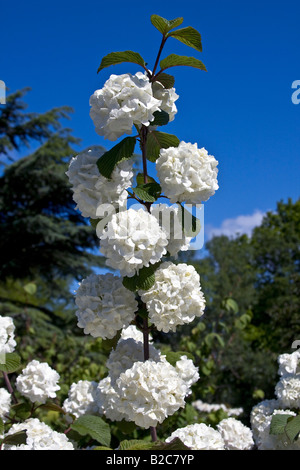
(242, 224)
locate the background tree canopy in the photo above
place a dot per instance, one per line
(251, 285)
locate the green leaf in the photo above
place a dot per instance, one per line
(52, 407)
(209, 339)
(144, 280)
(119, 57)
(22, 410)
(174, 60)
(109, 344)
(174, 356)
(163, 25)
(1, 427)
(148, 192)
(122, 151)
(292, 428)
(126, 427)
(189, 36)
(230, 304)
(30, 288)
(102, 448)
(93, 426)
(161, 118)
(11, 362)
(159, 140)
(165, 79)
(16, 439)
(175, 444)
(278, 423)
(135, 444)
(140, 179)
(94, 222)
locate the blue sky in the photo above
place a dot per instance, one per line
(240, 110)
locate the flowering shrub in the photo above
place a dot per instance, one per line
(143, 387)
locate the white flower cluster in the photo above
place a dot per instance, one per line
(5, 403)
(167, 96)
(149, 392)
(169, 218)
(287, 389)
(199, 437)
(82, 399)
(127, 352)
(175, 298)
(37, 382)
(108, 401)
(235, 434)
(187, 371)
(7, 335)
(123, 101)
(39, 437)
(104, 305)
(211, 407)
(132, 239)
(91, 189)
(187, 174)
(287, 392)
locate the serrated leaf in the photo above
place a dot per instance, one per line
(144, 280)
(175, 444)
(188, 36)
(174, 60)
(30, 288)
(93, 426)
(148, 192)
(165, 79)
(135, 444)
(163, 25)
(161, 118)
(292, 428)
(122, 151)
(11, 363)
(16, 439)
(119, 57)
(159, 140)
(278, 423)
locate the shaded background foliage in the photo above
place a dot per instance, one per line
(251, 285)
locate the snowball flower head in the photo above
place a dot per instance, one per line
(199, 437)
(169, 218)
(82, 399)
(108, 401)
(235, 434)
(132, 239)
(167, 96)
(126, 353)
(104, 305)
(37, 382)
(5, 403)
(123, 101)
(175, 298)
(91, 189)
(259, 415)
(187, 173)
(149, 392)
(132, 332)
(39, 437)
(289, 363)
(187, 371)
(7, 334)
(287, 391)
